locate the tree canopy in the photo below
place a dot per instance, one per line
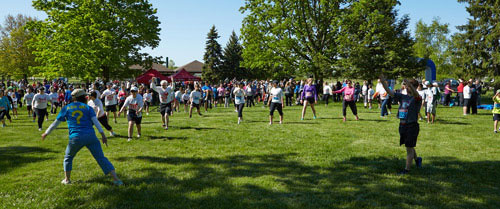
(94, 38)
(16, 57)
(213, 53)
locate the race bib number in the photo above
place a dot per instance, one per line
(133, 106)
(276, 98)
(308, 94)
(403, 111)
(348, 97)
(109, 97)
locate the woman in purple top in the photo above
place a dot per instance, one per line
(309, 96)
(348, 99)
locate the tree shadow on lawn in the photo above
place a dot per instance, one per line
(449, 122)
(15, 156)
(166, 138)
(357, 182)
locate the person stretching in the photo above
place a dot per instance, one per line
(81, 118)
(309, 97)
(134, 103)
(348, 100)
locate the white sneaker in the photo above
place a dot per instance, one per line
(147, 113)
(239, 121)
(65, 182)
(39, 129)
(138, 136)
(129, 139)
(112, 134)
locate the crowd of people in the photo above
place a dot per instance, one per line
(86, 105)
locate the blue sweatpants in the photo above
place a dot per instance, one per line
(94, 146)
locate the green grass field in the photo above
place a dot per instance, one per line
(211, 162)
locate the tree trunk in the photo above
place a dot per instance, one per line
(105, 73)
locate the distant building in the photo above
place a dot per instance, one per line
(194, 68)
(159, 67)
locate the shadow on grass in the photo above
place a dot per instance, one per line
(237, 182)
(17, 156)
(166, 137)
(449, 122)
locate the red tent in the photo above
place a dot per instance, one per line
(183, 75)
(146, 77)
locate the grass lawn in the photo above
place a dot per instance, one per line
(211, 162)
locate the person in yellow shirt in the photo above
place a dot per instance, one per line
(496, 110)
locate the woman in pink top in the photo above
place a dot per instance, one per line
(348, 99)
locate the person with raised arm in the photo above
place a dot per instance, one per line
(166, 95)
(409, 107)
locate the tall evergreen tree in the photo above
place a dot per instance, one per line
(211, 70)
(477, 47)
(231, 59)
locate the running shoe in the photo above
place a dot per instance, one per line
(39, 129)
(112, 134)
(65, 182)
(118, 183)
(301, 118)
(403, 172)
(129, 139)
(166, 127)
(3, 126)
(418, 161)
(138, 136)
(495, 131)
(314, 117)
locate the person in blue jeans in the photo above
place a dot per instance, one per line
(81, 118)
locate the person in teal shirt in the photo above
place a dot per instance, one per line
(81, 118)
(4, 107)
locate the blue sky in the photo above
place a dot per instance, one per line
(185, 23)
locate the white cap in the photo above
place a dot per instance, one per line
(134, 89)
(434, 83)
(427, 83)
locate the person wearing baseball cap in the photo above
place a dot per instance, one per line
(81, 118)
(134, 103)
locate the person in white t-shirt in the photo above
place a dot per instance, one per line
(327, 91)
(148, 98)
(166, 96)
(110, 100)
(39, 105)
(28, 99)
(96, 104)
(178, 99)
(467, 96)
(195, 99)
(53, 101)
(14, 104)
(134, 103)
(384, 97)
(185, 99)
(364, 93)
(239, 100)
(276, 102)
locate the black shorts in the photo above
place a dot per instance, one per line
(310, 100)
(185, 101)
(132, 116)
(276, 106)
(195, 105)
(147, 104)
(29, 108)
(496, 117)
(466, 102)
(408, 134)
(166, 108)
(111, 108)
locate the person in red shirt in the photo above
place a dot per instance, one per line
(460, 93)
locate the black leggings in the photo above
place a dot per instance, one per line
(326, 97)
(276, 106)
(288, 98)
(104, 122)
(250, 101)
(40, 113)
(240, 109)
(352, 105)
